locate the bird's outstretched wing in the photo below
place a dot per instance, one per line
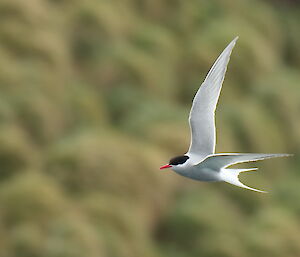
(224, 160)
(220, 162)
(202, 115)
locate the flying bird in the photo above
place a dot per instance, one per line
(201, 162)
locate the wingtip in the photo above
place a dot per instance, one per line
(233, 42)
(285, 155)
(235, 39)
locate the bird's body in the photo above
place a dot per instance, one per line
(199, 173)
(201, 162)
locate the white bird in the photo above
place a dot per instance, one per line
(201, 162)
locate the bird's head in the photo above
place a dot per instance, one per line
(176, 162)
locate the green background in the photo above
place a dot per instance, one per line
(94, 98)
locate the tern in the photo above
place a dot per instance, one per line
(201, 162)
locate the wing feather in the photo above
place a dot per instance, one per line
(202, 115)
(224, 160)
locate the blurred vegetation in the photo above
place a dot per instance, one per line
(95, 97)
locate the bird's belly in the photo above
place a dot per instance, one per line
(204, 174)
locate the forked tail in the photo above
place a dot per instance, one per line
(231, 176)
(222, 161)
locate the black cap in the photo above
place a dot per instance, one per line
(178, 160)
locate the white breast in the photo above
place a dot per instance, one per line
(194, 172)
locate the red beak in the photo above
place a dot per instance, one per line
(165, 167)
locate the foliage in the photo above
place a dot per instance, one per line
(95, 97)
